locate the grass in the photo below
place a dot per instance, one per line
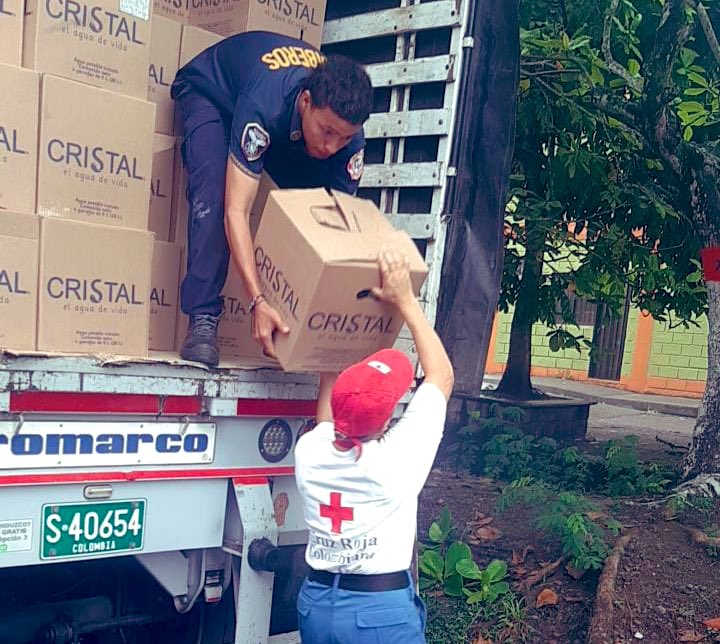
(451, 620)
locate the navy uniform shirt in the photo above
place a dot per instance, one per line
(255, 79)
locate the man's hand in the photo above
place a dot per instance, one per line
(396, 287)
(266, 321)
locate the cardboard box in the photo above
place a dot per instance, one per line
(161, 186)
(164, 57)
(172, 9)
(11, 31)
(164, 296)
(235, 338)
(95, 155)
(195, 41)
(301, 19)
(18, 137)
(94, 286)
(105, 43)
(316, 255)
(19, 235)
(235, 341)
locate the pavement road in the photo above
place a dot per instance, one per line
(608, 422)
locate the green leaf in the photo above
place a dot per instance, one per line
(633, 67)
(494, 591)
(426, 583)
(691, 107)
(468, 569)
(688, 133)
(456, 552)
(431, 563)
(445, 521)
(435, 533)
(700, 80)
(555, 343)
(454, 586)
(497, 570)
(474, 598)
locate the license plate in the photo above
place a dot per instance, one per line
(88, 529)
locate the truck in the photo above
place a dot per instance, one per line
(153, 500)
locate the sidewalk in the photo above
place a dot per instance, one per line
(671, 405)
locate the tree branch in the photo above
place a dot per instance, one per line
(707, 28)
(615, 67)
(661, 124)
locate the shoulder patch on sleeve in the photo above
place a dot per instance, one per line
(356, 165)
(255, 140)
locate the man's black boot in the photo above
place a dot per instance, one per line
(200, 343)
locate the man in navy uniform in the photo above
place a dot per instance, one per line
(257, 101)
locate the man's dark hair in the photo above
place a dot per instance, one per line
(342, 85)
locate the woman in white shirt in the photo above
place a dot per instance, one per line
(359, 482)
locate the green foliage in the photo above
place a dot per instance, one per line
(596, 209)
(449, 565)
(678, 506)
(498, 448)
(565, 516)
(512, 622)
(440, 556)
(483, 585)
(451, 620)
(441, 531)
(626, 475)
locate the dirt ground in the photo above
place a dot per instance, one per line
(667, 586)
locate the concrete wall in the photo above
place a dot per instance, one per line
(658, 357)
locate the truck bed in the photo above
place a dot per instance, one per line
(161, 374)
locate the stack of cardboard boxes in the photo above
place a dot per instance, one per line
(93, 214)
(91, 186)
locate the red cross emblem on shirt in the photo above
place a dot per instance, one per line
(336, 512)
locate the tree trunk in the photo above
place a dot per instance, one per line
(515, 381)
(697, 169)
(704, 454)
(704, 184)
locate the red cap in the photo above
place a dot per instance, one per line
(365, 394)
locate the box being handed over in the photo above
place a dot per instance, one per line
(316, 256)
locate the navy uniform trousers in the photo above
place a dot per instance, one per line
(206, 138)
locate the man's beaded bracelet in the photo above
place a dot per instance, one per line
(255, 301)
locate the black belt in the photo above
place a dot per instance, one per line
(362, 583)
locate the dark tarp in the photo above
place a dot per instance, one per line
(477, 195)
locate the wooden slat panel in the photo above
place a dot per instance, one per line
(413, 123)
(399, 175)
(431, 15)
(422, 70)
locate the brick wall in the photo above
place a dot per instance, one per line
(542, 356)
(679, 353)
(630, 337)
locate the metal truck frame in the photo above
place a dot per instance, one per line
(185, 471)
